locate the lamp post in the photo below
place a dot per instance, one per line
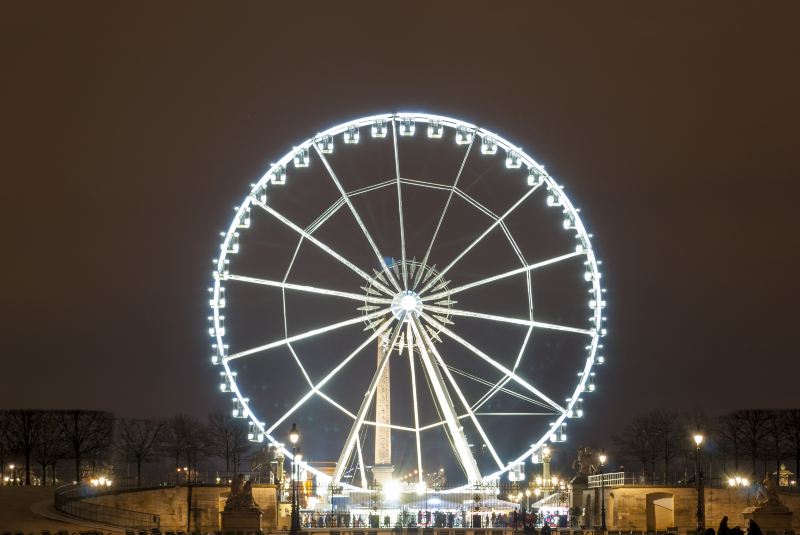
(603, 459)
(294, 436)
(698, 473)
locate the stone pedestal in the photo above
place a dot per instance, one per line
(382, 474)
(769, 518)
(246, 520)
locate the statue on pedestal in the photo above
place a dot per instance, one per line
(241, 496)
(583, 465)
(769, 512)
(767, 496)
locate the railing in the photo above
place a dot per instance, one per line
(70, 499)
(639, 479)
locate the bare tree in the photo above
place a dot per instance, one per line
(4, 443)
(50, 447)
(140, 437)
(184, 438)
(88, 435)
(638, 442)
(227, 437)
(730, 434)
(793, 437)
(754, 432)
(668, 432)
(23, 431)
(777, 437)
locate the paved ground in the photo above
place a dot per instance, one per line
(30, 510)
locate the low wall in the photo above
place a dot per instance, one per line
(203, 514)
(630, 507)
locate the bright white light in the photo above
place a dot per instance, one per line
(512, 160)
(488, 146)
(379, 128)
(407, 127)
(421, 488)
(435, 129)
(325, 144)
(392, 490)
(408, 302)
(351, 135)
(698, 439)
(301, 158)
(280, 176)
(463, 136)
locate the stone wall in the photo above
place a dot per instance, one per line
(171, 504)
(643, 508)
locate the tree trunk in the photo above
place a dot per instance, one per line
(44, 473)
(27, 468)
(53, 473)
(77, 468)
(138, 471)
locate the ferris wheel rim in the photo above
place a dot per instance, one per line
(476, 132)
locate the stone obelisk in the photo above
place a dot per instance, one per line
(382, 469)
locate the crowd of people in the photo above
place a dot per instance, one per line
(445, 519)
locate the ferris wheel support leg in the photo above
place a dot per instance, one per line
(461, 398)
(446, 405)
(362, 411)
(410, 347)
(494, 363)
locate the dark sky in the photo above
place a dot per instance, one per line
(129, 133)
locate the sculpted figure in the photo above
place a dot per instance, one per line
(767, 494)
(583, 464)
(241, 496)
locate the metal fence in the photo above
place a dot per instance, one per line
(70, 499)
(641, 479)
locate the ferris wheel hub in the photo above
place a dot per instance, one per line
(406, 305)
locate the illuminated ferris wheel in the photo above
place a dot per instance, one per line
(412, 285)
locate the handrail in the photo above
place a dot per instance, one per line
(70, 499)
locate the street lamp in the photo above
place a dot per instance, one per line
(698, 473)
(603, 459)
(294, 436)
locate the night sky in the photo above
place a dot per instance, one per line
(129, 134)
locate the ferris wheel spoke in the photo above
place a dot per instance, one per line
(478, 239)
(321, 245)
(444, 210)
(461, 397)
(311, 289)
(410, 349)
(333, 402)
(505, 319)
(307, 334)
(524, 269)
(522, 382)
(404, 268)
(500, 386)
(316, 388)
(365, 405)
(358, 219)
(442, 396)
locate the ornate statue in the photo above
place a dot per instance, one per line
(767, 495)
(241, 496)
(583, 464)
